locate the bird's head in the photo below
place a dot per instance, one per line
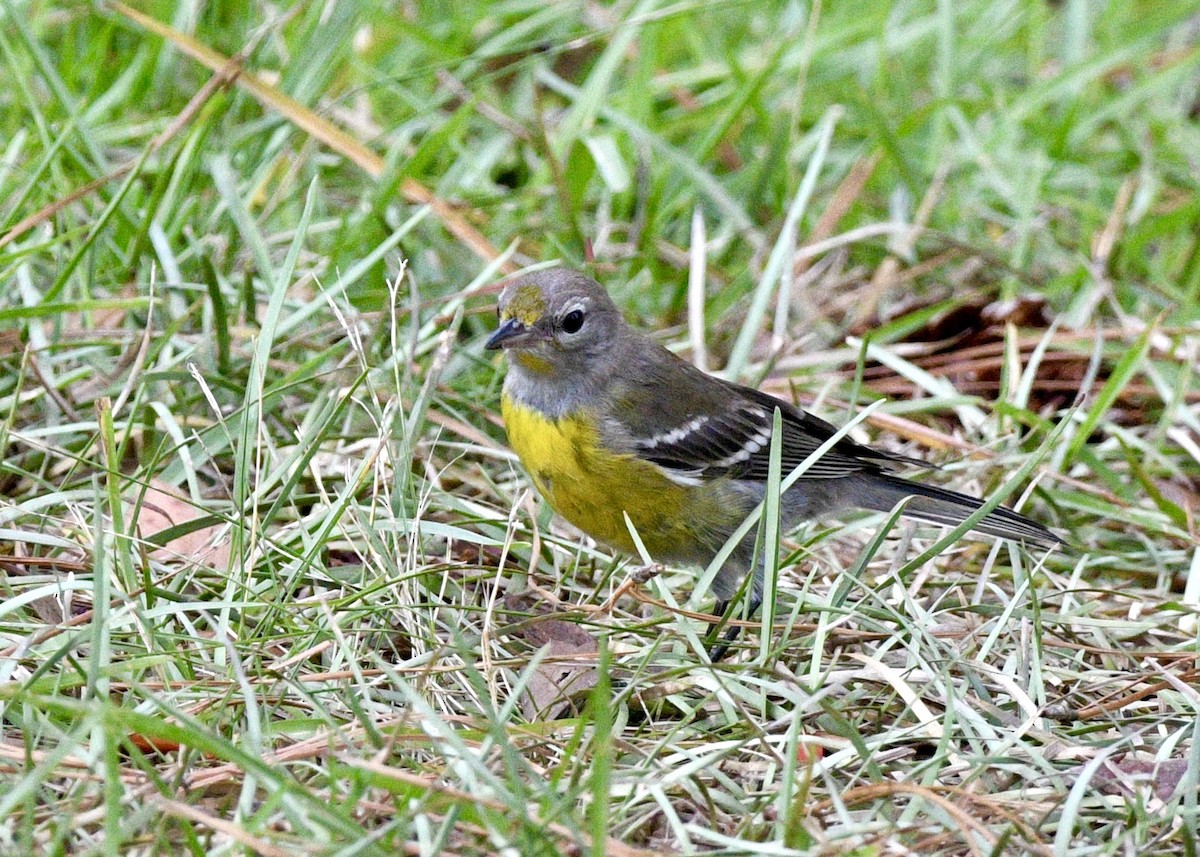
(556, 322)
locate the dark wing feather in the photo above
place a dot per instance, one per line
(735, 442)
(706, 428)
(803, 433)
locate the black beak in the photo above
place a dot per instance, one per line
(511, 329)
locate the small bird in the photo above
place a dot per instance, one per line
(610, 424)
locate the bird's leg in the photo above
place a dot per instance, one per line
(726, 609)
(721, 608)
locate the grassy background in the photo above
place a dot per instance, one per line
(273, 584)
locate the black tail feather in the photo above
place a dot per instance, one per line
(941, 506)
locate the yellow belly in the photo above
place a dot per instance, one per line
(594, 489)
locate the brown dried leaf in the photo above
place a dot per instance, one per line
(567, 671)
(51, 609)
(568, 668)
(164, 506)
(1124, 775)
(966, 345)
(1181, 491)
(980, 321)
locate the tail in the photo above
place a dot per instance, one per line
(881, 492)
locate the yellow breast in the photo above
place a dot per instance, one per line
(594, 488)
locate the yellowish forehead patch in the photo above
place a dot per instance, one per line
(526, 305)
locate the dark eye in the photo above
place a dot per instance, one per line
(573, 321)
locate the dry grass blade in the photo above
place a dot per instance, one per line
(569, 837)
(319, 128)
(217, 824)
